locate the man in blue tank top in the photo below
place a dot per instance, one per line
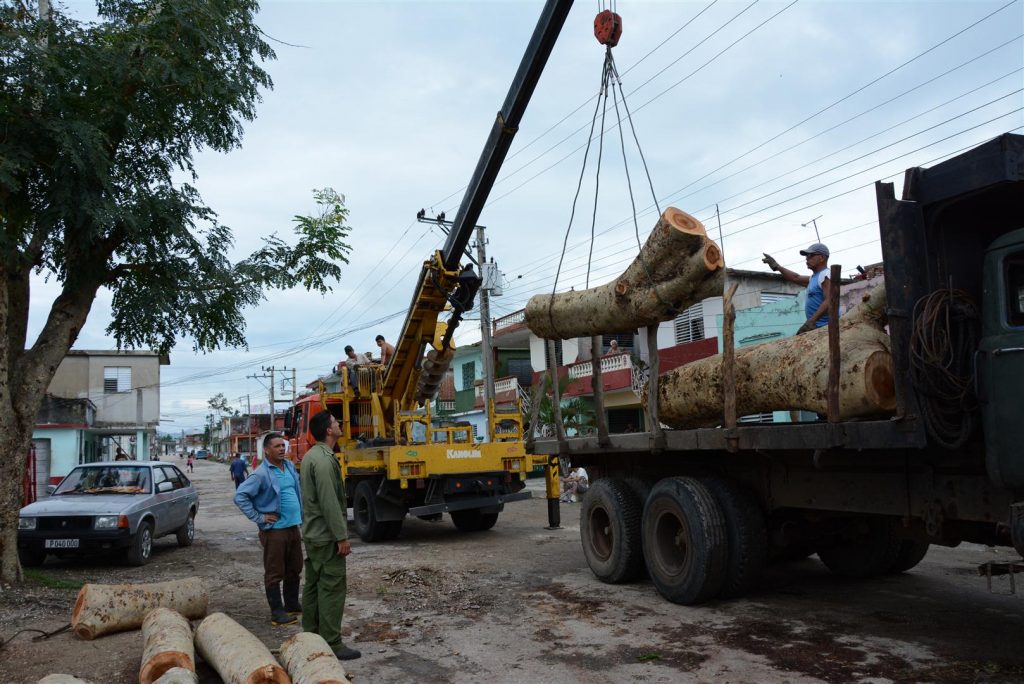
(817, 284)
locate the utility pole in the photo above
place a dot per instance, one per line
(485, 327)
(814, 222)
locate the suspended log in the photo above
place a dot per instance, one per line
(677, 267)
(309, 660)
(236, 654)
(791, 374)
(106, 608)
(167, 644)
(178, 675)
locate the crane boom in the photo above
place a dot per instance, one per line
(409, 380)
(506, 124)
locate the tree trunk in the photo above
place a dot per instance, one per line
(178, 675)
(167, 643)
(791, 374)
(677, 267)
(105, 608)
(309, 660)
(236, 654)
(25, 375)
(14, 444)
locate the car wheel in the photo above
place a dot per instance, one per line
(141, 548)
(30, 558)
(187, 532)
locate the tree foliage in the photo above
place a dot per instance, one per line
(99, 124)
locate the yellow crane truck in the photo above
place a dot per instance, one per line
(394, 460)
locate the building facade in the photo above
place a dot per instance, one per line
(99, 402)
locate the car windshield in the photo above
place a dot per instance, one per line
(106, 479)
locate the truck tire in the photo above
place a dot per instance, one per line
(912, 552)
(473, 520)
(684, 541)
(747, 536)
(140, 550)
(610, 531)
(364, 515)
(865, 548)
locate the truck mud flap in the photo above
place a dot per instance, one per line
(463, 504)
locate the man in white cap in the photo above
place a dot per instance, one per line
(816, 306)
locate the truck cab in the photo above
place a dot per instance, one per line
(1000, 360)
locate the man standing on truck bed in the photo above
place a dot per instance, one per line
(325, 533)
(272, 498)
(816, 307)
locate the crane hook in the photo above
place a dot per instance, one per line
(608, 28)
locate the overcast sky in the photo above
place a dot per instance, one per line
(778, 112)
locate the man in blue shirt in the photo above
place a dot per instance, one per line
(816, 306)
(239, 470)
(272, 499)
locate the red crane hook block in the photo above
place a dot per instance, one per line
(608, 28)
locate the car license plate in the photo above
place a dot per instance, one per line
(61, 544)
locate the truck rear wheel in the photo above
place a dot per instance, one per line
(684, 540)
(610, 530)
(473, 520)
(912, 552)
(747, 537)
(866, 547)
(364, 513)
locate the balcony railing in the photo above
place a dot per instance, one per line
(508, 321)
(613, 362)
(501, 385)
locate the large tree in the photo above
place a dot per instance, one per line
(99, 122)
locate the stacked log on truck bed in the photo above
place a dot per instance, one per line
(680, 266)
(791, 373)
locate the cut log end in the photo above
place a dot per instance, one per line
(269, 674)
(713, 257)
(162, 662)
(880, 386)
(681, 221)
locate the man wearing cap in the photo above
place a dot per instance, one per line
(349, 363)
(816, 306)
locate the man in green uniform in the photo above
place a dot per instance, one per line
(325, 535)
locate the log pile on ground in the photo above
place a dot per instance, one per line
(677, 267)
(178, 675)
(167, 644)
(309, 660)
(106, 608)
(791, 374)
(236, 654)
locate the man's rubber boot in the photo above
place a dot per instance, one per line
(343, 652)
(278, 615)
(292, 602)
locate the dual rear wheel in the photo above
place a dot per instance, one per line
(697, 539)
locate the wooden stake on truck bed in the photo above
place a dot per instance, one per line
(729, 368)
(598, 387)
(833, 344)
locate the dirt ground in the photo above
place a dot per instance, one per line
(518, 604)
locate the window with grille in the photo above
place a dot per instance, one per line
(468, 375)
(117, 379)
(689, 325)
(769, 297)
